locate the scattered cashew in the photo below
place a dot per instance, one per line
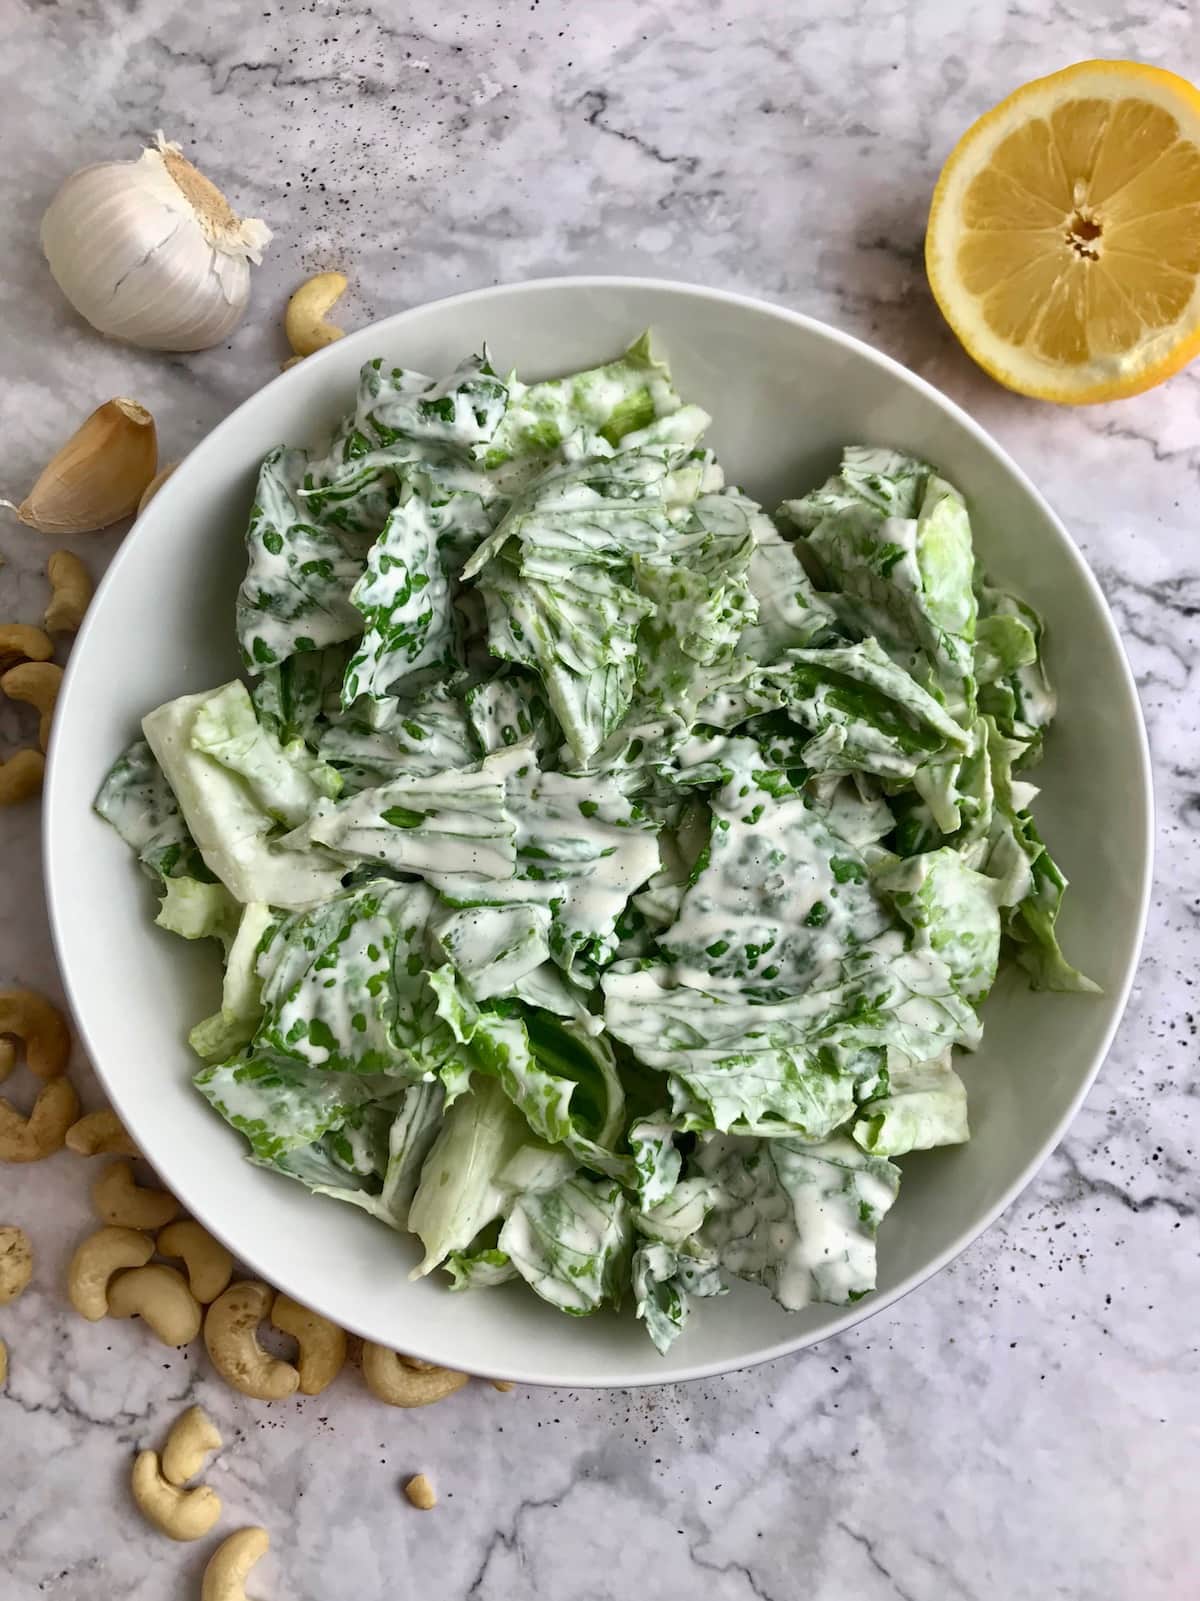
(118, 1198)
(225, 1575)
(153, 487)
(22, 642)
(34, 684)
(503, 1385)
(21, 776)
(230, 1335)
(392, 1380)
(420, 1492)
(95, 1261)
(30, 1017)
(322, 1344)
(160, 1297)
(100, 1134)
(191, 1439)
(71, 592)
(29, 1139)
(209, 1265)
(180, 1514)
(16, 1262)
(304, 322)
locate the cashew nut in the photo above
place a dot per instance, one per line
(30, 1017)
(29, 1139)
(191, 1439)
(35, 684)
(209, 1265)
(180, 1514)
(391, 1379)
(118, 1198)
(225, 1575)
(71, 592)
(16, 1262)
(95, 1261)
(21, 776)
(230, 1335)
(100, 1134)
(22, 642)
(160, 1297)
(305, 323)
(322, 1344)
(503, 1385)
(420, 1492)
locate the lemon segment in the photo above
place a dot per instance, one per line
(1063, 244)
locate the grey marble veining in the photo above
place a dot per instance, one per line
(1027, 1424)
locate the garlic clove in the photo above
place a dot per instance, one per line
(155, 484)
(151, 252)
(99, 474)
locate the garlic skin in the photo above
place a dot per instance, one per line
(149, 251)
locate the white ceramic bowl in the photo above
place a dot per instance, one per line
(784, 393)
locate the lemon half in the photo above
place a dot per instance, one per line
(1063, 244)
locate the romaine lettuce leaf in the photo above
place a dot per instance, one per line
(662, 1280)
(582, 848)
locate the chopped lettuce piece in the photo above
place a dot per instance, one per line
(296, 592)
(776, 897)
(453, 822)
(663, 1279)
(800, 1219)
(287, 781)
(140, 804)
(925, 1106)
(952, 911)
(346, 988)
(197, 910)
(866, 713)
(895, 540)
(479, 1270)
(571, 1244)
(230, 828)
(459, 1192)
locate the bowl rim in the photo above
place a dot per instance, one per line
(877, 1301)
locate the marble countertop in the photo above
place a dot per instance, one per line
(1025, 1425)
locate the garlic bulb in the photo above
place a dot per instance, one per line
(151, 252)
(98, 476)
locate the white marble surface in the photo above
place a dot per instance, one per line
(1027, 1424)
